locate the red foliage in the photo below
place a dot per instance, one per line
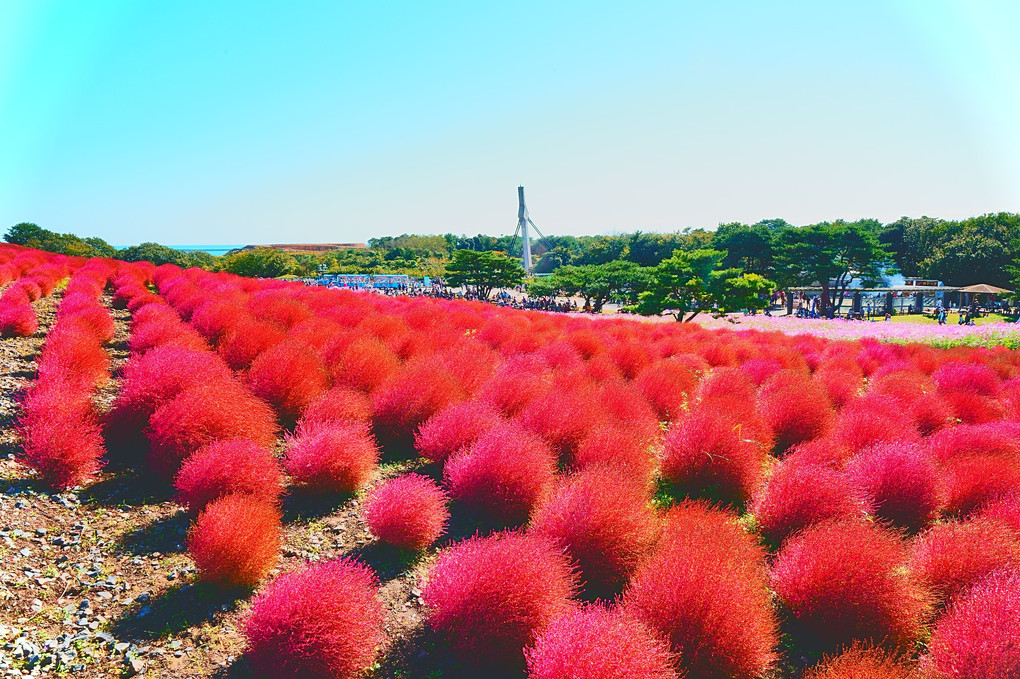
(515, 385)
(454, 428)
(18, 320)
(625, 450)
(504, 474)
(870, 421)
(1005, 510)
(492, 596)
(288, 376)
(972, 378)
(796, 408)
(704, 592)
(841, 385)
(979, 479)
(321, 621)
(595, 642)
(228, 467)
(563, 416)
(901, 483)
(61, 439)
(332, 457)
(709, 454)
(72, 353)
(606, 527)
(235, 541)
(242, 343)
(410, 398)
(366, 364)
(952, 556)
(729, 383)
(979, 638)
(845, 582)
(666, 385)
(339, 404)
(863, 662)
(801, 494)
(408, 512)
(202, 414)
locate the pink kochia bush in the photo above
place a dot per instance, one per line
(596, 642)
(903, 485)
(319, 622)
(979, 638)
(704, 592)
(236, 540)
(228, 467)
(489, 597)
(408, 512)
(61, 438)
(846, 582)
(332, 457)
(606, 527)
(454, 428)
(503, 475)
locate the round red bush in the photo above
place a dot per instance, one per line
(800, 494)
(607, 528)
(332, 457)
(339, 404)
(324, 621)
(625, 450)
(288, 377)
(979, 638)
(454, 428)
(870, 421)
(64, 448)
(845, 582)
(667, 385)
(242, 343)
(708, 454)
(409, 399)
(228, 467)
(503, 475)
(408, 512)
(1005, 510)
(18, 320)
(901, 483)
(704, 592)
(366, 364)
(971, 378)
(235, 540)
(863, 662)
(796, 408)
(595, 642)
(492, 596)
(950, 557)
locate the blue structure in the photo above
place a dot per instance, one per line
(363, 281)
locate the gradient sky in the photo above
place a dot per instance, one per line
(247, 122)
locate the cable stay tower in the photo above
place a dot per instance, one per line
(523, 222)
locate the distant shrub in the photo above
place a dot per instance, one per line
(709, 454)
(845, 582)
(703, 591)
(489, 597)
(289, 377)
(332, 457)
(595, 642)
(801, 494)
(228, 467)
(950, 557)
(235, 541)
(979, 638)
(607, 528)
(504, 474)
(454, 428)
(902, 484)
(408, 511)
(322, 621)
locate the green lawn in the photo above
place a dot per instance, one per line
(953, 319)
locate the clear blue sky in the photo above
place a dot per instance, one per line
(243, 122)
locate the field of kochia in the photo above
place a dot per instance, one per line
(593, 497)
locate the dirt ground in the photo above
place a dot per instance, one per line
(97, 582)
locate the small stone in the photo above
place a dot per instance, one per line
(25, 551)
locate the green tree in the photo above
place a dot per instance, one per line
(751, 248)
(595, 283)
(258, 262)
(25, 232)
(832, 256)
(483, 271)
(691, 282)
(976, 250)
(155, 253)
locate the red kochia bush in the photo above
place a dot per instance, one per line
(595, 642)
(709, 454)
(625, 450)
(288, 377)
(973, 378)
(332, 457)
(228, 467)
(202, 414)
(862, 662)
(324, 621)
(339, 404)
(979, 638)
(1005, 510)
(18, 320)
(872, 420)
(242, 343)
(563, 416)
(845, 582)
(64, 446)
(704, 592)
(977, 480)
(952, 556)
(796, 408)
(410, 398)
(504, 474)
(408, 512)
(454, 428)
(366, 364)
(666, 385)
(901, 483)
(235, 540)
(492, 596)
(606, 527)
(800, 494)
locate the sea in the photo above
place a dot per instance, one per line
(211, 249)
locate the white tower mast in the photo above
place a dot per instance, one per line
(522, 226)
